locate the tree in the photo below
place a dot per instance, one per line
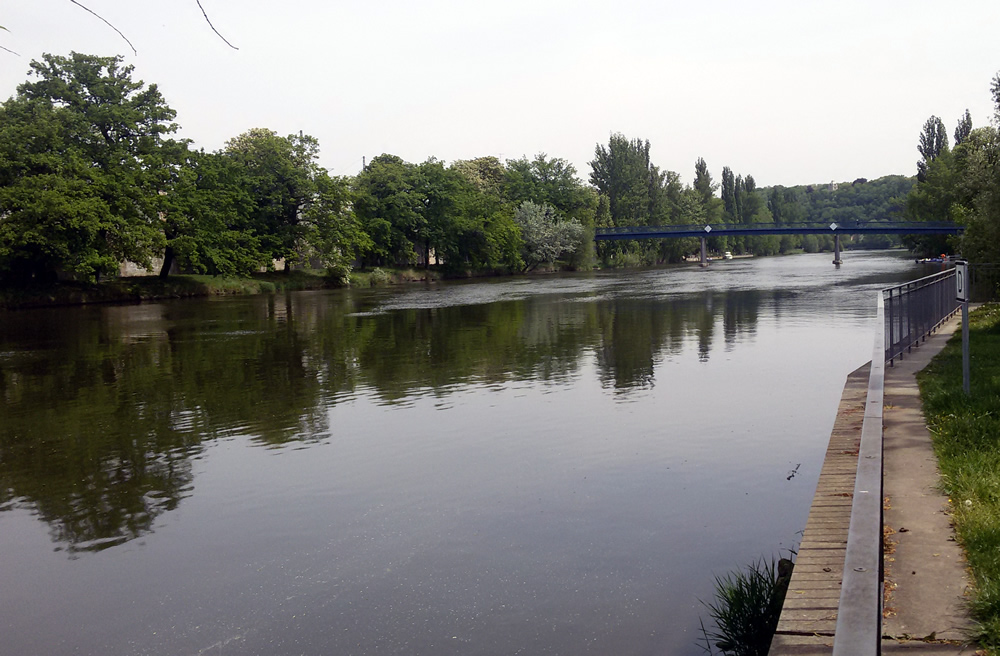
(84, 161)
(933, 141)
(333, 236)
(729, 194)
(388, 206)
(282, 174)
(545, 237)
(548, 180)
(208, 218)
(703, 183)
(621, 172)
(932, 199)
(963, 128)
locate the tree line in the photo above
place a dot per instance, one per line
(959, 182)
(92, 176)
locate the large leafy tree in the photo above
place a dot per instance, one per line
(84, 157)
(977, 164)
(300, 214)
(552, 181)
(279, 172)
(208, 219)
(638, 193)
(388, 205)
(621, 172)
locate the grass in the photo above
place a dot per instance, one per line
(966, 434)
(132, 290)
(147, 288)
(746, 609)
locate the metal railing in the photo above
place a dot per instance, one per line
(797, 228)
(907, 313)
(915, 309)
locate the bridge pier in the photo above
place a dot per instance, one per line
(704, 252)
(836, 250)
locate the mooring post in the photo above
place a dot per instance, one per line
(836, 250)
(704, 253)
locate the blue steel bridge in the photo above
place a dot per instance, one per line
(836, 229)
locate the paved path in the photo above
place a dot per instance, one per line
(925, 572)
(925, 569)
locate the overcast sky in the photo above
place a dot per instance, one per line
(792, 92)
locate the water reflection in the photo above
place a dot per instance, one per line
(105, 408)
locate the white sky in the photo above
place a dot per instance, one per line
(792, 92)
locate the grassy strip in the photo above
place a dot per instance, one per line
(151, 288)
(966, 433)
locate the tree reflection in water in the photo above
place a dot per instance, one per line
(105, 408)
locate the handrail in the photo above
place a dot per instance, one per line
(906, 314)
(811, 228)
(915, 309)
(859, 615)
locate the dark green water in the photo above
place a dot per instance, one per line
(552, 465)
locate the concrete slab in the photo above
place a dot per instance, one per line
(919, 648)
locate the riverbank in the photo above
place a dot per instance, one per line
(153, 288)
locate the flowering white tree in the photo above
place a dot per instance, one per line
(546, 237)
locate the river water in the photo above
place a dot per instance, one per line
(545, 465)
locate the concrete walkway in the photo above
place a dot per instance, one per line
(925, 570)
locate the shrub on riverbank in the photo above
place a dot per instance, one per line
(966, 433)
(746, 608)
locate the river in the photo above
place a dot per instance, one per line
(546, 465)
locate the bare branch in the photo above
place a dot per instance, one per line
(134, 51)
(10, 51)
(203, 13)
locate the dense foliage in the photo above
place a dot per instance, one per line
(91, 179)
(961, 184)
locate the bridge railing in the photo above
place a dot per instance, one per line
(915, 309)
(843, 227)
(907, 313)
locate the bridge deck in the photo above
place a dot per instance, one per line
(738, 229)
(809, 617)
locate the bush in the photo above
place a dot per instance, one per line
(746, 610)
(379, 277)
(339, 274)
